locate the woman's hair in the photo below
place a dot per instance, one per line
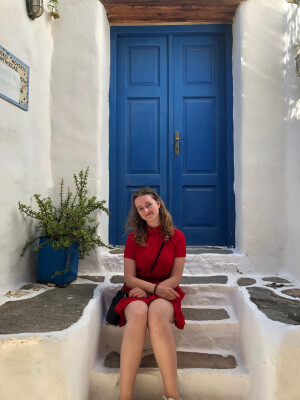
(136, 222)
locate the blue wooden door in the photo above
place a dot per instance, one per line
(162, 84)
(199, 169)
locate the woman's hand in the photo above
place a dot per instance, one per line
(166, 292)
(137, 292)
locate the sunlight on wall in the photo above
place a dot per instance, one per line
(259, 139)
(292, 121)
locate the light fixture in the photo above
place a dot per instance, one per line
(35, 8)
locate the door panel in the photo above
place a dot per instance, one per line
(199, 116)
(200, 154)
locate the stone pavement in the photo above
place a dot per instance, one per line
(53, 310)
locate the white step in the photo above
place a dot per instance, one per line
(195, 263)
(194, 384)
(217, 336)
(195, 295)
(205, 335)
(207, 295)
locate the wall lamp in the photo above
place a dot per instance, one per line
(35, 8)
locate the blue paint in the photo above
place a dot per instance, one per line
(50, 261)
(199, 116)
(165, 79)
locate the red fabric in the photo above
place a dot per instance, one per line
(144, 257)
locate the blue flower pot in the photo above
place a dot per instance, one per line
(57, 266)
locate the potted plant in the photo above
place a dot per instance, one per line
(66, 233)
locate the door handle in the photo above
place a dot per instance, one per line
(176, 143)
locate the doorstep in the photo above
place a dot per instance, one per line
(189, 250)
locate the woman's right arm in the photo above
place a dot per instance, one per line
(134, 283)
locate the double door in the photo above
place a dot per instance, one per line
(171, 131)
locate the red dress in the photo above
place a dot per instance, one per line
(144, 257)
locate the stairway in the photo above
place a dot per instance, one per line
(210, 360)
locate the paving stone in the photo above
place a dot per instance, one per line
(275, 307)
(292, 292)
(54, 310)
(117, 279)
(275, 285)
(207, 250)
(16, 293)
(32, 286)
(118, 250)
(184, 360)
(204, 314)
(93, 278)
(246, 281)
(189, 250)
(186, 280)
(189, 280)
(276, 279)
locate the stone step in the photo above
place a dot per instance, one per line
(208, 295)
(185, 360)
(196, 262)
(195, 294)
(201, 376)
(189, 250)
(207, 329)
(186, 280)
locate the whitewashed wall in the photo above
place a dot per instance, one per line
(66, 127)
(25, 136)
(292, 119)
(260, 133)
(79, 100)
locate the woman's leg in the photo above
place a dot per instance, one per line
(160, 314)
(132, 346)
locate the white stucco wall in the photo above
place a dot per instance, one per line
(292, 118)
(79, 100)
(259, 133)
(66, 127)
(25, 138)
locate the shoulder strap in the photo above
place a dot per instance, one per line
(156, 259)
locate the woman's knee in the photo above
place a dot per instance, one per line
(160, 312)
(136, 312)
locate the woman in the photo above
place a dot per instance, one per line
(153, 302)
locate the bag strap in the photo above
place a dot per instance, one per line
(156, 259)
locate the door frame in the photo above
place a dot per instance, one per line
(212, 29)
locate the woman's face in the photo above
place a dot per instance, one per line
(148, 209)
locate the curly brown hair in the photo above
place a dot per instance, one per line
(139, 225)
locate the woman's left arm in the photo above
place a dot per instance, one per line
(166, 288)
(176, 273)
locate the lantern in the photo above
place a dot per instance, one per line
(35, 8)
